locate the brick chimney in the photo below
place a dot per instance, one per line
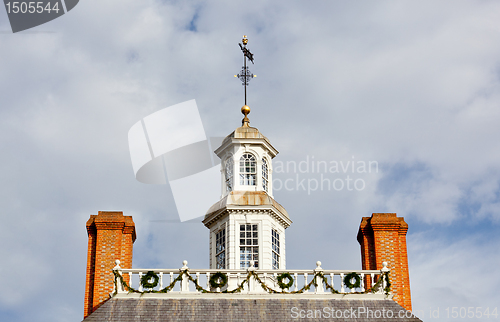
(383, 239)
(111, 237)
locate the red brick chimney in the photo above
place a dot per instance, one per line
(111, 237)
(383, 239)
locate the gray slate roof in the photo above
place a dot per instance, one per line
(243, 310)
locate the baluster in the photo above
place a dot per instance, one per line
(208, 280)
(161, 280)
(251, 282)
(140, 284)
(319, 281)
(331, 280)
(295, 281)
(372, 279)
(342, 289)
(265, 278)
(184, 279)
(171, 277)
(362, 282)
(118, 286)
(305, 282)
(130, 279)
(198, 278)
(238, 279)
(384, 269)
(352, 289)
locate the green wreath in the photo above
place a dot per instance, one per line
(214, 280)
(281, 277)
(348, 278)
(145, 280)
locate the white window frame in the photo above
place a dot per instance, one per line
(265, 175)
(248, 244)
(248, 169)
(221, 234)
(276, 247)
(229, 174)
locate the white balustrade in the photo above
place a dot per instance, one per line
(251, 285)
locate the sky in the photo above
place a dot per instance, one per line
(411, 85)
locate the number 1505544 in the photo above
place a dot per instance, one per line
(31, 7)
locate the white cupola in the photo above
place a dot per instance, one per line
(246, 157)
(247, 224)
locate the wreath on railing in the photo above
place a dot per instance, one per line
(348, 280)
(214, 280)
(145, 280)
(283, 285)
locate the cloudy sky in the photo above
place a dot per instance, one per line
(412, 85)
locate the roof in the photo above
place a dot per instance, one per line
(245, 198)
(245, 309)
(247, 134)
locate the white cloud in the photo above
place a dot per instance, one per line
(446, 275)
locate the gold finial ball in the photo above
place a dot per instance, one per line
(245, 110)
(245, 40)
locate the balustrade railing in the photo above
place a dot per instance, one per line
(251, 280)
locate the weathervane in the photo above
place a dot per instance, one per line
(245, 76)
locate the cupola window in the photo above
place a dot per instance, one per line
(220, 249)
(249, 245)
(265, 183)
(276, 249)
(229, 174)
(248, 169)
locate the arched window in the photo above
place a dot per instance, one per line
(248, 170)
(265, 183)
(229, 174)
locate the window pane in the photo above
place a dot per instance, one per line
(276, 249)
(247, 169)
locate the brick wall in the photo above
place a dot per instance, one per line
(111, 237)
(383, 239)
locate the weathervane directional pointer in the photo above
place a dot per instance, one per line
(247, 52)
(245, 75)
